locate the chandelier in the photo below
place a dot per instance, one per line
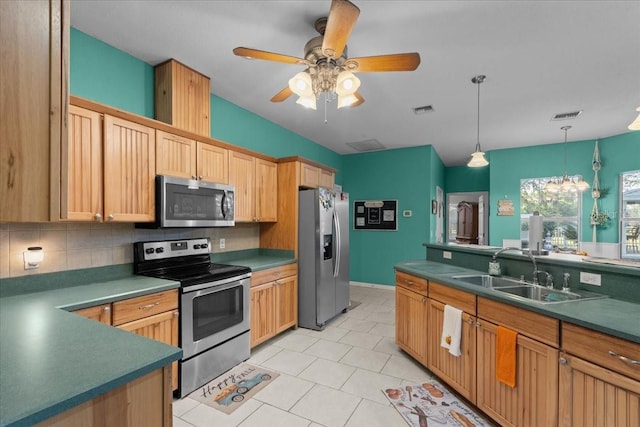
(565, 184)
(329, 78)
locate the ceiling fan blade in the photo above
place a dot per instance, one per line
(282, 95)
(359, 101)
(393, 62)
(268, 56)
(342, 18)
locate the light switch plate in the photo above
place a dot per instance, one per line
(590, 278)
(222, 243)
(446, 255)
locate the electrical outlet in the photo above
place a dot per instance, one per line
(446, 255)
(590, 278)
(222, 243)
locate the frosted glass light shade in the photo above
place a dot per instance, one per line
(346, 100)
(477, 160)
(307, 101)
(347, 83)
(301, 85)
(635, 125)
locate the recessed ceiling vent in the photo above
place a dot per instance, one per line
(367, 145)
(566, 116)
(423, 110)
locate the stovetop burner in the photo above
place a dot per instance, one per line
(186, 261)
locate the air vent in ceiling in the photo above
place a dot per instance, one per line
(422, 110)
(566, 116)
(367, 145)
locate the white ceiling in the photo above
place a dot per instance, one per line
(540, 58)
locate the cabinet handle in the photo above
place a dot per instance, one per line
(624, 359)
(563, 361)
(111, 217)
(193, 177)
(106, 309)
(478, 325)
(176, 313)
(424, 299)
(149, 306)
(470, 321)
(409, 282)
(200, 177)
(97, 217)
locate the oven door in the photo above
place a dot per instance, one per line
(213, 314)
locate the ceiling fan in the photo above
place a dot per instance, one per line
(329, 70)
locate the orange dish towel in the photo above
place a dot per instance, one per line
(506, 356)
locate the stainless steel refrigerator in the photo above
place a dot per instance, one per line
(323, 256)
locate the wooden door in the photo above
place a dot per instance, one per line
(286, 303)
(81, 167)
(242, 177)
(326, 179)
(266, 191)
(175, 155)
(412, 323)
(309, 175)
(161, 327)
(534, 399)
(99, 313)
(213, 163)
(593, 396)
(129, 171)
(263, 319)
(459, 372)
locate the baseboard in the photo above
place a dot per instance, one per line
(372, 285)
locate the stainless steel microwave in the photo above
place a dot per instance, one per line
(192, 203)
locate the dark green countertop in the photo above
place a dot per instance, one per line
(52, 360)
(609, 315)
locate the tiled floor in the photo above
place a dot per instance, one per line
(328, 378)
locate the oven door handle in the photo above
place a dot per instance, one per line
(218, 285)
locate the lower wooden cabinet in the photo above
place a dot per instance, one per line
(274, 302)
(412, 318)
(145, 401)
(99, 313)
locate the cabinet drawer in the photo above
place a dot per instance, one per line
(542, 328)
(271, 274)
(144, 306)
(413, 283)
(447, 295)
(595, 347)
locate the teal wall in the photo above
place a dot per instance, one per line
(618, 154)
(403, 175)
(107, 75)
(464, 179)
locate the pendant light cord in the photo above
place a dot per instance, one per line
(478, 124)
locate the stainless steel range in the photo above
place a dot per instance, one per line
(214, 306)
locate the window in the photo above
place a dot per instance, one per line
(561, 214)
(630, 215)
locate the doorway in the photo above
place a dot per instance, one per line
(479, 197)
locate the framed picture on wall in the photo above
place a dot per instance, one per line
(434, 207)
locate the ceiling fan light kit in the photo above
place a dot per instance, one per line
(329, 71)
(564, 184)
(477, 157)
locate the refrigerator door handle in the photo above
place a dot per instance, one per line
(336, 267)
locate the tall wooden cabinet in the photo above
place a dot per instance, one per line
(412, 319)
(467, 226)
(256, 190)
(34, 86)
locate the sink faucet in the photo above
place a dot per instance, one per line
(533, 261)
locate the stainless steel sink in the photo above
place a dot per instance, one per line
(547, 296)
(487, 281)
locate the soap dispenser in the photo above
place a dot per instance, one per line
(494, 268)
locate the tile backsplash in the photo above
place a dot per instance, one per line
(71, 246)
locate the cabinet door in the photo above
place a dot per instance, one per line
(263, 320)
(286, 303)
(242, 177)
(534, 399)
(99, 313)
(266, 191)
(130, 167)
(458, 372)
(161, 327)
(34, 87)
(81, 167)
(213, 163)
(309, 175)
(412, 323)
(175, 155)
(592, 396)
(326, 178)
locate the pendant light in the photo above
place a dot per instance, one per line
(477, 157)
(564, 184)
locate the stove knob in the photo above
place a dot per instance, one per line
(204, 246)
(196, 246)
(149, 250)
(159, 250)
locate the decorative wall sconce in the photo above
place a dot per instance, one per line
(33, 256)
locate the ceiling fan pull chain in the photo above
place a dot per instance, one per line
(326, 101)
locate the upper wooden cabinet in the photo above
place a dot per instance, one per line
(256, 190)
(314, 176)
(327, 178)
(182, 97)
(33, 111)
(129, 165)
(187, 158)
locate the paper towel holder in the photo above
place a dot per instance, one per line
(538, 250)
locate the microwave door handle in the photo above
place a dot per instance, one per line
(223, 204)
